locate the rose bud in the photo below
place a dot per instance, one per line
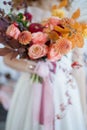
(28, 16)
(25, 37)
(13, 31)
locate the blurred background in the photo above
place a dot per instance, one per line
(8, 78)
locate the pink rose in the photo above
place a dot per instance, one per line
(39, 38)
(54, 21)
(53, 53)
(13, 31)
(37, 51)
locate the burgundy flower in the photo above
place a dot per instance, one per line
(35, 27)
(28, 16)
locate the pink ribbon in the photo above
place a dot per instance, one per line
(43, 105)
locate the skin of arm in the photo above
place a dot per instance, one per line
(19, 64)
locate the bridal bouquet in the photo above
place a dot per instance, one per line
(51, 39)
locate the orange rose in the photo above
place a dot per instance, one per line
(25, 37)
(37, 51)
(13, 31)
(63, 46)
(53, 53)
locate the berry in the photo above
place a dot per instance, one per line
(4, 2)
(9, 3)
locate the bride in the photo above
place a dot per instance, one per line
(26, 112)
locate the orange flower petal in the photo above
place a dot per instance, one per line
(53, 35)
(63, 46)
(63, 3)
(76, 14)
(25, 37)
(77, 40)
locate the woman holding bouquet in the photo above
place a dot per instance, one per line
(48, 103)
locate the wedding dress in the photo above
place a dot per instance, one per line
(66, 99)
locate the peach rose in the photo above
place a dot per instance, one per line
(63, 46)
(51, 22)
(13, 31)
(53, 53)
(39, 38)
(54, 21)
(25, 37)
(37, 51)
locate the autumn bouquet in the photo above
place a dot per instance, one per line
(48, 40)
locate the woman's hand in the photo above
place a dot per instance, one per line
(20, 64)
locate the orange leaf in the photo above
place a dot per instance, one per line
(54, 7)
(84, 26)
(77, 26)
(76, 14)
(77, 40)
(53, 35)
(63, 3)
(62, 30)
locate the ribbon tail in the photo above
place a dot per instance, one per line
(48, 105)
(43, 107)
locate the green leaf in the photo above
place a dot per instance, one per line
(36, 78)
(24, 23)
(20, 16)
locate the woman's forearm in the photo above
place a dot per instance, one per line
(19, 64)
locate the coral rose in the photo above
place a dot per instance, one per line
(13, 31)
(39, 38)
(53, 21)
(37, 51)
(63, 46)
(53, 53)
(25, 37)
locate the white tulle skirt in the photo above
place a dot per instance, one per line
(68, 111)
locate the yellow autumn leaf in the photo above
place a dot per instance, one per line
(77, 26)
(63, 3)
(62, 30)
(76, 14)
(77, 40)
(85, 33)
(53, 35)
(84, 26)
